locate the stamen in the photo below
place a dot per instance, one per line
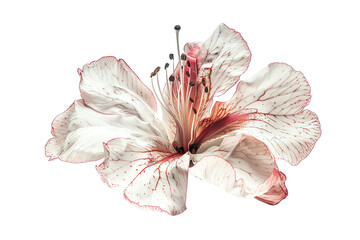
(171, 78)
(192, 83)
(166, 65)
(206, 89)
(194, 109)
(177, 28)
(171, 56)
(155, 72)
(187, 73)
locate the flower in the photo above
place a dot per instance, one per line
(234, 144)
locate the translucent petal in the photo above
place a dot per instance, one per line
(241, 165)
(277, 193)
(152, 174)
(277, 90)
(110, 86)
(80, 131)
(105, 80)
(273, 101)
(289, 137)
(227, 55)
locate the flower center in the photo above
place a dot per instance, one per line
(184, 96)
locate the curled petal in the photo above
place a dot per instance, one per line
(277, 193)
(241, 165)
(80, 131)
(153, 177)
(227, 55)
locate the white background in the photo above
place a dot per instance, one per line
(42, 45)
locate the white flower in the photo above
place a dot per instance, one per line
(234, 144)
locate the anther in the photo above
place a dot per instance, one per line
(155, 72)
(188, 63)
(191, 100)
(171, 56)
(192, 83)
(179, 79)
(187, 73)
(206, 89)
(177, 27)
(166, 65)
(171, 78)
(183, 57)
(203, 81)
(194, 110)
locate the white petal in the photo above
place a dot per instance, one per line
(110, 86)
(277, 89)
(80, 131)
(227, 55)
(241, 165)
(289, 137)
(278, 94)
(153, 176)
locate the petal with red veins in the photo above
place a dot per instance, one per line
(227, 55)
(289, 137)
(110, 86)
(80, 131)
(278, 95)
(153, 177)
(277, 193)
(277, 90)
(241, 165)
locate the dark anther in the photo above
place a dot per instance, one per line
(192, 83)
(181, 150)
(171, 56)
(206, 89)
(183, 57)
(203, 81)
(193, 148)
(166, 65)
(182, 67)
(191, 100)
(177, 27)
(187, 73)
(171, 78)
(188, 63)
(194, 110)
(191, 163)
(155, 72)
(179, 79)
